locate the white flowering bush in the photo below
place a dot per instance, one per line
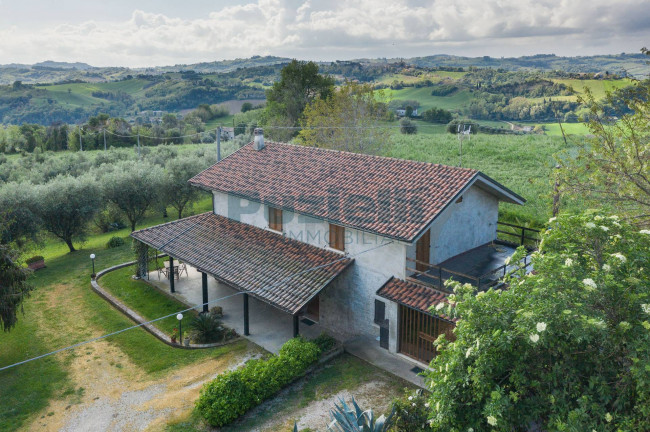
(566, 348)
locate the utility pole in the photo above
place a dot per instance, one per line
(104, 139)
(81, 145)
(218, 143)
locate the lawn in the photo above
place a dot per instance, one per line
(62, 311)
(522, 163)
(145, 299)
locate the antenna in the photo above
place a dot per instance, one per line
(462, 130)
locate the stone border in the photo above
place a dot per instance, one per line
(141, 320)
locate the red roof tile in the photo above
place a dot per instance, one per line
(391, 197)
(278, 270)
(413, 295)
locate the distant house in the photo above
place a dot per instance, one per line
(227, 133)
(402, 112)
(359, 244)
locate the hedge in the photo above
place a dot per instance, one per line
(233, 393)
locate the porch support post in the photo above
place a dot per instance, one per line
(296, 326)
(171, 274)
(204, 283)
(246, 332)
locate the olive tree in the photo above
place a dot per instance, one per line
(564, 348)
(134, 188)
(176, 191)
(19, 223)
(66, 205)
(13, 286)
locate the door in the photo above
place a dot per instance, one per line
(422, 248)
(417, 332)
(313, 309)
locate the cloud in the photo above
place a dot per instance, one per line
(328, 30)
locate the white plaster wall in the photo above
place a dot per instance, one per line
(347, 306)
(463, 226)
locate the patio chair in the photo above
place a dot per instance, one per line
(164, 271)
(182, 268)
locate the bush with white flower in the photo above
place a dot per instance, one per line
(565, 348)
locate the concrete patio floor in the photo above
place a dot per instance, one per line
(270, 328)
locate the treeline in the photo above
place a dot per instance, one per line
(68, 194)
(103, 131)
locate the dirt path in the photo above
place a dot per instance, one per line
(106, 391)
(119, 397)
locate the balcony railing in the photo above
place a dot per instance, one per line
(436, 275)
(518, 235)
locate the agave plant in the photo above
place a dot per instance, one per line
(354, 419)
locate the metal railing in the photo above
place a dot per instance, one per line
(435, 275)
(520, 233)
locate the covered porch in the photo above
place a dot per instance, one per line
(265, 282)
(268, 326)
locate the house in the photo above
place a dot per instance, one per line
(401, 112)
(359, 244)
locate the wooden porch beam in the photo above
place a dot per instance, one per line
(171, 274)
(246, 332)
(204, 283)
(296, 326)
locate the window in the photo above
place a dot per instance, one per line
(275, 219)
(337, 237)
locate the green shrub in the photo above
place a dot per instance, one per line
(33, 259)
(411, 412)
(114, 242)
(230, 395)
(325, 342)
(206, 328)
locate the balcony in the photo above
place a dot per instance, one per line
(484, 266)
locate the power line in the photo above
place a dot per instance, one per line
(95, 339)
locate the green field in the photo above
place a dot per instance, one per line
(553, 129)
(523, 163)
(423, 95)
(597, 87)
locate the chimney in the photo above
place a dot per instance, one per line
(258, 143)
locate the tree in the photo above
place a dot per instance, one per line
(299, 84)
(176, 191)
(66, 205)
(407, 126)
(565, 348)
(13, 286)
(613, 167)
(19, 225)
(347, 120)
(134, 187)
(246, 106)
(437, 115)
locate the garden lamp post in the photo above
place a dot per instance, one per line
(92, 257)
(179, 317)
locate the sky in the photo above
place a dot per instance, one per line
(139, 33)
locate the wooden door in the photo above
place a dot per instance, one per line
(313, 308)
(422, 248)
(417, 332)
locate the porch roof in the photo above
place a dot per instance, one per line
(413, 295)
(282, 272)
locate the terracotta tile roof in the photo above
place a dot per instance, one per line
(414, 295)
(391, 197)
(248, 258)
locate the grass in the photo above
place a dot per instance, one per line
(423, 95)
(145, 299)
(523, 163)
(62, 311)
(553, 129)
(343, 373)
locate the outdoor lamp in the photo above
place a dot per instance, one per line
(92, 257)
(179, 317)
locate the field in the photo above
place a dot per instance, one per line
(523, 163)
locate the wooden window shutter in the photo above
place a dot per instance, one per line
(337, 237)
(275, 219)
(380, 311)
